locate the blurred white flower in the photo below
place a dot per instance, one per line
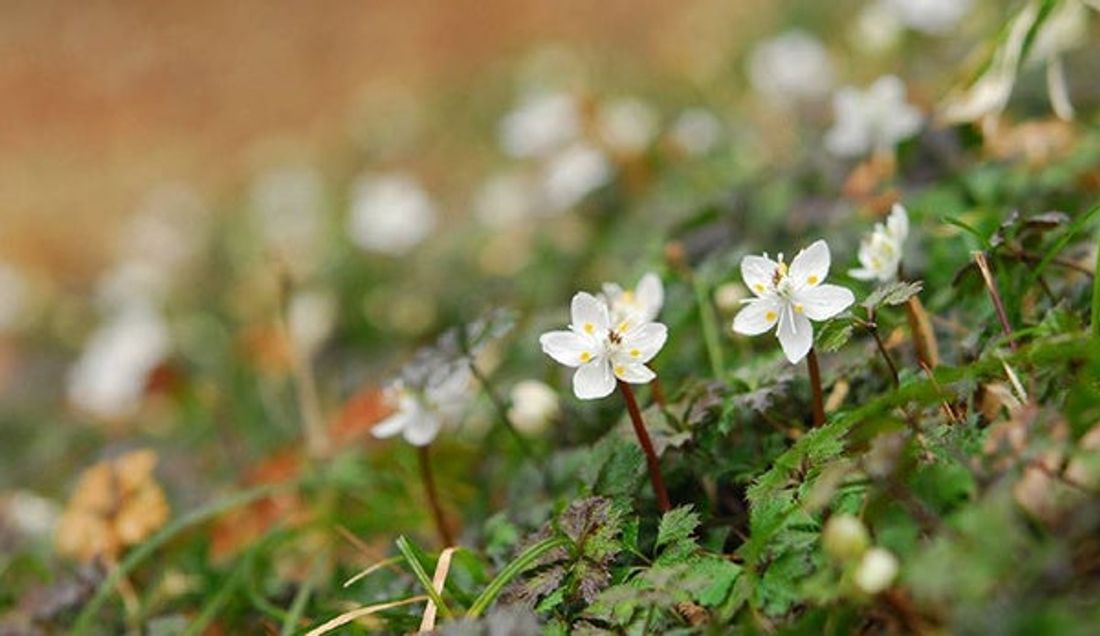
(789, 298)
(573, 174)
(30, 514)
(696, 131)
(631, 307)
(873, 120)
(311, 317)
(422, 413)
(728, 296)
(877, 570)
(13, 298)
(600, 352)
(627, 125)
(110, 377)
(541, 124)
(287, 206)
(934, 17)
(534, 406)
(877, 28)
(790, 67)
(880, 251)
(390, 214)
(506, 198)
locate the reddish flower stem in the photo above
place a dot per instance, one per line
(652, 462)
(817, 399)
(433, 497)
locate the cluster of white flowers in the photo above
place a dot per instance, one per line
(610, 338)
(874, 120)
(880, 252)
(846, 540)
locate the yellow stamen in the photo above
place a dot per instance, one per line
(798, 308)
(628, 296)
(619, 370)
(589, 327)
(759, 287)
(770, 316)
(812, 279)
(623, 326)
(585, 356)
(634, 353)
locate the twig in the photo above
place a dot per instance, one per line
(817, 399)
(433, 497)
(872, 328)
(655, 477)
(987, 276)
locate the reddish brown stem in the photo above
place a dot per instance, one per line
(651, 460)
(817, 399)
(433, 497)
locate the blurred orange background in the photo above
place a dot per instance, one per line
(103, 100)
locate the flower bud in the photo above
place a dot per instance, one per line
(534, 405)
(845, 538)
(877, 570)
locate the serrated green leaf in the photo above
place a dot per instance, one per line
(833, 335)
(894, 293)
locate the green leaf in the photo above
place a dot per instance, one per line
(528, 558)
(894, 293)
(677, 525)
(409, 552)
(833, 335)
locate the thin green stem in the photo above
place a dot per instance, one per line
(817, 398)
(527, 559)
(709, 323)
(500, 409)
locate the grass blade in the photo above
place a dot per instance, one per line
(409, 553)
(521, 563)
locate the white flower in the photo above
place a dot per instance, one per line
(790, 67)
(390, 214)
(877, 570)
(788, 298)
(642, 304)
(602, 352)
(534, 405)
(627, 125)
(110, 377)
(573, 174)
(424, 407)
(696, 131)
(933, 17)
(876, 28)
(880, 252)
(540, 125)
(874, 120)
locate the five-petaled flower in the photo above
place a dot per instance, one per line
(603, 351)
(880, 252)
(788, 298)
(421, 413)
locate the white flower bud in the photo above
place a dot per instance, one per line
(534, 405)
(877, 570)
(845, 538)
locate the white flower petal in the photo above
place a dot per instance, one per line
(593, 380)
(422, 430)
(862, 274)
(757, 272)
(811, 265)
(392, 425)
(824, 301)
(650, 295)
(897, 224)
(634, 373)
(568, 347)
(796, 335)
(757, 317)
(589, 314)
(640, 344)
